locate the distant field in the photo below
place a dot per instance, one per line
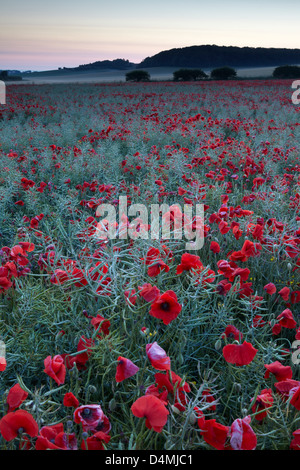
(157, 73)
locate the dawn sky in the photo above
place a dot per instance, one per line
(39, 35)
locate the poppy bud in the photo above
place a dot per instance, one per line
(289, 266)
(180, 359)
(175, 410)
(112, 404)
(218, 344)
(193, 419)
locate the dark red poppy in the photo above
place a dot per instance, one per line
(215, 247)
(153, 409)
(55, 368)
(270, 288)
(295, 400)
(279, 371)
(166, 307)
(125, 369)
(96, 441)
(149, 292)
(17, 422)
(286, 319)
(105, 325)
(285, 386)
(215, 434)
(70, 400)
(239, 354)
(263, 401)
(15, 397)
(232, 332)
(284, 293)
(189, 262)
(295, 443)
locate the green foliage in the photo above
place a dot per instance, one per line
(223, 73)
(287, 71)
(187, 75)
(137, 76)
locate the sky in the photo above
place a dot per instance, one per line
(44, 35)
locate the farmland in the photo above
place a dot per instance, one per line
(135, 342)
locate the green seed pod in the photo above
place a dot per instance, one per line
(112, 404)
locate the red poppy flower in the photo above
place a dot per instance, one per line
(12, 424)
(215, 247)
(284, 293)
(215, 434)
(286, 319)
(166, 307)
(189, 262)
(92, 418)
(279, 371)
(232, 332)
(153, 409)
(149, 292)
(175, 386)
(15, 397)
(125, 369)
(158, 357)
(239, 354)
(70, 400)
(242, 435)
(155, 263)
(263, 401)
(285, 386)
(295, 443)
(95, 442)
(47, 435)
(3, 363)
(295, 400)
(105, 324)
(270, 288)
(207, 397)
(55, 368)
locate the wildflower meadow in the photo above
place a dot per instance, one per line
(140, 341)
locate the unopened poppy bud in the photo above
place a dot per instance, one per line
(85, 436)
(193, 419)
(289, 266)
(237, 387)
(218, 344)
(69, 424)
(272, 323)
(92, 389)
(175, 410)
(112, 404)
(245, 412)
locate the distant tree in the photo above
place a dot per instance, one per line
(187, 75)
(4, 75)
(287, 71)
(223, 73)
(137, 76)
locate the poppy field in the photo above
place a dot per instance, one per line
(136, 343)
